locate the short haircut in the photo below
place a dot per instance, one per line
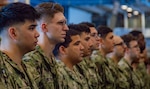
(15, 13)
(88, 24)
(127, 38)
(103, 31)
(67, 41)
(136, 33)
(49, 9)
(80, 28)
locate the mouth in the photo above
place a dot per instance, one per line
(82, 54)
(63, 35)
(36, 42)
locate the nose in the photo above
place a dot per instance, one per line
(90, 43)
(97, 38)
(81, 47)
(65, 27)
(37, 34)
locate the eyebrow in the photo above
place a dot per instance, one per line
(33, 25)
(120, 43)
(77, 42)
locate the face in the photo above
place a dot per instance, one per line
(119, 47)
(95, 38)
(134, 51)
(108, 43)
(27, 36)
(57, 28)
(87, 43)
(75, 50)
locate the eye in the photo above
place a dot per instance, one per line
(32, 27)
(77, 43)
(93, 35)
(61, 22)
(87, 39)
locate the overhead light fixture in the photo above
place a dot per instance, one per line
(124, 7)
(135, 12)
(129, 9)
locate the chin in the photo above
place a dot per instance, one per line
(79, 60)
(62, 40)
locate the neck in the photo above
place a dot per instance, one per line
(134, 66)
(127, 58)
(68, 63)
(115, 59)
(13, 52)
(87, 57)
(46, 45)
(102, 52)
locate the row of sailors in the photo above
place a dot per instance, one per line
(76, 56)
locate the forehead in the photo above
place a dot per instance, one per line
(117, 39)
(110, 34)
(75, 39)
(133, 43)
(93, 30)
(58, 16)
(84, 35)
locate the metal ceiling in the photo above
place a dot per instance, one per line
(101, 6)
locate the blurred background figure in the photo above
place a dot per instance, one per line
(106, 46)
(143, 60)
(130, 62)
(115, 56)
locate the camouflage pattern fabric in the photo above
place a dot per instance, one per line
(41, 68)
(89, 70)
(120, 78)
(70, 79)
(104, 70)
(13, 77)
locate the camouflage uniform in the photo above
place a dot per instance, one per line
(121, 80)
(13, 77)
(140, 82)
(104, 70)
(2, 85)
(89, 70)
(143, 74)
(68, 79)
(148, 82)
(42, 68)
(133, 79)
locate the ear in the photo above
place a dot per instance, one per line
(62, 50)
(101, 40)
(12, 32)
(44, 27)
(127, 50)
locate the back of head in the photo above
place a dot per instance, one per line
(127, 38)
(69, 34)
(15, 13)
(80, 28)
(48, 9)
(103, 31)
(88, 24)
